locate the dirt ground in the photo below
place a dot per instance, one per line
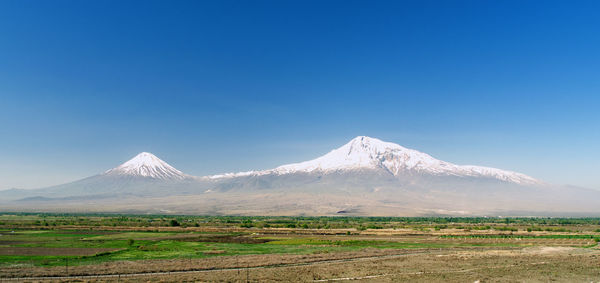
(543, 264)
(461, 258)
(532, 264)
(27, 251)
(212, 263)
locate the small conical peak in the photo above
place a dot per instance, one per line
(146, 164)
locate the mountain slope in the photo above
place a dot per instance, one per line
(143, 175)
(373, 154)
(366, 176)
(147, 165)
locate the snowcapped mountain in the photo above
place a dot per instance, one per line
(366, 176)
(143, 175)
(373, 154)
(148, 165)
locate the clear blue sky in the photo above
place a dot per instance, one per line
(221, 86)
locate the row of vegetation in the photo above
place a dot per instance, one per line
(49, 220)
(524, 236)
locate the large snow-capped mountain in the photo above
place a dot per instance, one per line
(366, 153)
(146, 164)
(366, 176)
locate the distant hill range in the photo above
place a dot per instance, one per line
(366, 176)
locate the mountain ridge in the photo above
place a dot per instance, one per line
(364, 177)
(365, 152)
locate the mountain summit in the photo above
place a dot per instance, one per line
(369, 153)
(147, 164)
(365, 176)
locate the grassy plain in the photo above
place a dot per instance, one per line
(207, 248)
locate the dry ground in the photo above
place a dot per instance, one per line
(531, 264)
(527, 265)
(26, 251)
(462, 259)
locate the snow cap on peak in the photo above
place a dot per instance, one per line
(143, 158)
(369, 143)
(364, 152)
(146, 164)
(366, 139)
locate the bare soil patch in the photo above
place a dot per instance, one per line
(497, 265)
(232, 239)
(217, 238)
(27, 251)
(220, 262)
(88, 232)
(12, 242)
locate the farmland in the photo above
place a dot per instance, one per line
(236, 248)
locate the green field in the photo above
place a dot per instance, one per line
(59, 244)
(170, 245)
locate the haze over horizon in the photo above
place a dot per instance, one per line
(232, 86)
